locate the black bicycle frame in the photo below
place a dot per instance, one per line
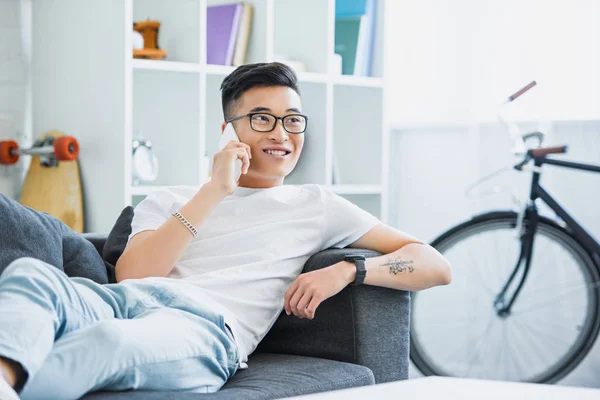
(532, 216)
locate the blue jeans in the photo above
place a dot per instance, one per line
(73, 336)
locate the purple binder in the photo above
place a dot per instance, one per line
(222, 28)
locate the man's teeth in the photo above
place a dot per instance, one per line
(276, 152)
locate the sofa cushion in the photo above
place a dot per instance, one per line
(25, 232)
(269, 376)
(117, 240)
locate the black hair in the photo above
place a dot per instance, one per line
(250, 76)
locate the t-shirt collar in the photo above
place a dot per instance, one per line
(245, 191)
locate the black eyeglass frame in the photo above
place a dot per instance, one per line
(275, 124)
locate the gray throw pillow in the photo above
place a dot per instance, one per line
(117, 240)
(25, 232)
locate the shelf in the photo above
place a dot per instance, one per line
(312, 77)
(361, 81)
(356, 189)
(217, 70)
(160, 65)
(223, 70)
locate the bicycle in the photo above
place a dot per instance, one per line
(533, 320)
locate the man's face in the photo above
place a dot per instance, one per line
(267, 170)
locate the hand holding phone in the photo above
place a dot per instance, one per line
(241, 153)
(227, 136)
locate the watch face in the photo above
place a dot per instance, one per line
(145, 165)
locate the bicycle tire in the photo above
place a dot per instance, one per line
(587, 336)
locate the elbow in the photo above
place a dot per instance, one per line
(123, 269)
(445, 273)
(126, 269)
(120, 273)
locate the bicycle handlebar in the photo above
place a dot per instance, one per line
(522, 91)
(544, 151)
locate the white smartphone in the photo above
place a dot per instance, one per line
(227, 136)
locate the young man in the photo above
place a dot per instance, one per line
(206, 272)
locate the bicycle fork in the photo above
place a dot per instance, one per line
(528, 225)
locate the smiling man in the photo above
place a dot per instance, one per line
(207, 271)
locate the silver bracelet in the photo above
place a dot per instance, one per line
(186, 223)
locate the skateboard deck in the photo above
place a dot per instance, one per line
(55, 189)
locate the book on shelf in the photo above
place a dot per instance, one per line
(354, 35)
(243, 36)
(228, 33)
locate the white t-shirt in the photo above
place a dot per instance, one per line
(253, 245)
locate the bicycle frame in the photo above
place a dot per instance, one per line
(532, 216)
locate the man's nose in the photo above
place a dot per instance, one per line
(279, 133)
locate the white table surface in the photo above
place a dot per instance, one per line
(457, 389)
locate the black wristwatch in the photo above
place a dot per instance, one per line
(361, 270)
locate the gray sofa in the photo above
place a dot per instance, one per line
(358, 337)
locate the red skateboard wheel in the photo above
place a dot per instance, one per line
(66, 148)
(8, 152)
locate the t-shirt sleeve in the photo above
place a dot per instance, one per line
(345, 222)
(151, 212)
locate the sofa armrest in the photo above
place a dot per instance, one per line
(363, 325)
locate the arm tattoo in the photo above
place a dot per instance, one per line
(399, 265)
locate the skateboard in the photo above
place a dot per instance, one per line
(53, 181)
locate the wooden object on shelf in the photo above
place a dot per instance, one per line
(149, 30)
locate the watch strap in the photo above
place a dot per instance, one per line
(361, 268)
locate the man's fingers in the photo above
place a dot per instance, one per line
(295, 299)
(303, 303)
(288, 296)
(242, 154)
(312, 307)
(234, 144)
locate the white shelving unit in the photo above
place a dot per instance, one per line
(86, 83)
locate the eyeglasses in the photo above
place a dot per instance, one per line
(264, 122)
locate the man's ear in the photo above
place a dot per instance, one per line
(223, 125)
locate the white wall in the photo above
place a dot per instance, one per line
(14, 87)
(454, 60)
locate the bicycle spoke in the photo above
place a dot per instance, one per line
(513, 359)
(455, 354)
(541, 275)
(543, 352)
(505, 344)
(541, 332)
(489, 270)
(558, 298)
(569, 285)
(534, 343)
(475, 347)
(498, 349)
(520, 352)
(478, 275)
(552, 326)
(498, 271)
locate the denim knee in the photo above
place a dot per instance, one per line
(110, 334)
(30, 267)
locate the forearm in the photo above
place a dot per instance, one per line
(157, 253)
(413, 267)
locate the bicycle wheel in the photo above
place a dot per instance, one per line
(455, 330)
